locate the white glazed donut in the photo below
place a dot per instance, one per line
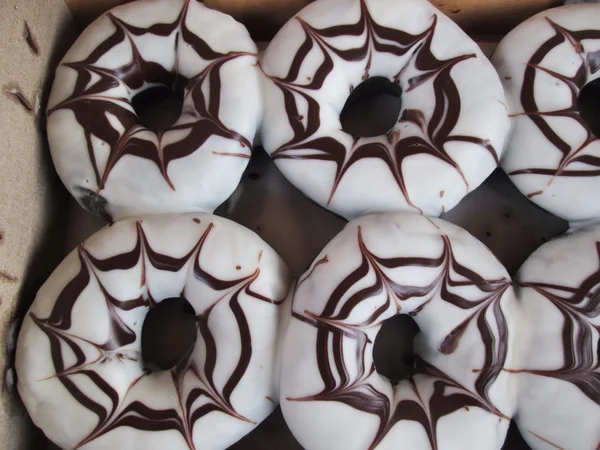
(553, 156)
(462, 299)
(559, 368)
(110, 162)
(452, 125)
(79, 366)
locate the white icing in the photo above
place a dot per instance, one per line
(228, 252)
(572, 198)
(369, 184)
(558, 366)
(328, 422)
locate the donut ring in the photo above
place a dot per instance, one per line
(461, 298)
(79, 365)
(559, 368)
(112, 164)
(452, 125)
(553, 156)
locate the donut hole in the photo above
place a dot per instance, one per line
(393, 351)
(372, 109)
(589, 105)
(168, 334)
(158, 107)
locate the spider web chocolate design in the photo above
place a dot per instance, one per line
(91, 101)
(579, 306)
(431, 136)
(334, 331)
(590, 64)
(199, 381)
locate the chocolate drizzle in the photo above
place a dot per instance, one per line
(431, 137)
(199, 381)
(579, 306)
(92, 103)
(336, 330)
(588, 165)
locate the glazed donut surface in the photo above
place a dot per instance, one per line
(553, 156)
(115, 166)
(80, 369)
(558, 371)
(452, 125)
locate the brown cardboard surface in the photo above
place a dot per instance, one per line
(492, 16)
(264, 17)
(31, 198)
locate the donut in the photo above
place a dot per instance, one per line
(452, 124)
(462, 300)
(117, 167)
(553, 156)
(558, 368)
(80, 367)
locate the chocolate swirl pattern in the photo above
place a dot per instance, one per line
(99, 106)
(560, 283)
(300, 97)
(554, 153)
(106, 379)
(578, 307)
(588, 66)
(344, 331)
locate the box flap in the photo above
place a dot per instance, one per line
(32, 198)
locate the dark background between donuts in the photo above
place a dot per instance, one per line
(265, 202)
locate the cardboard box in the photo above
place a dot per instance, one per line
(39, 222)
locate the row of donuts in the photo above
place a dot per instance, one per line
(554, 352)
(451, 134)
(81, 369)
(546, 65)
(488, 349)
(89, 314)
